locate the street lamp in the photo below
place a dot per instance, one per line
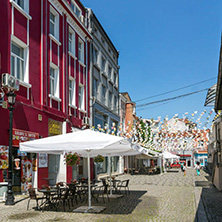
(11, 101)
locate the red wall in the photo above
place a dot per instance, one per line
(29, 100)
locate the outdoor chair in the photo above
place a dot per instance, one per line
(64, 197)
(123, 184)
(74, 193)
(105, 184)
(33, 196)
(100, 191)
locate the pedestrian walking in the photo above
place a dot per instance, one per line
(181, 166)
(184, 169)
(197, 168)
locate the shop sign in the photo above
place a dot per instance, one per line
(55, 127)
(3, 157)
(22, 136)
(21, 153)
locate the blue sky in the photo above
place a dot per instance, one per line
(164, 45)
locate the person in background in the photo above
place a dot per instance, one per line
(184, 169)
(197, 168)
(181, 166)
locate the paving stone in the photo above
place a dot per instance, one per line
(167, 197)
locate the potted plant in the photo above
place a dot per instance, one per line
(72, 159)
(99, 159)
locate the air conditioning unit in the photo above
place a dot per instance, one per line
(10, 82)
(86, 121)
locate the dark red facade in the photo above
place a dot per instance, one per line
(30, 29)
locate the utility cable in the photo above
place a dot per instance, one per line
(172, 98)
(175, 90)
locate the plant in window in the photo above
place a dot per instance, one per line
(99, 159)
(72, 159)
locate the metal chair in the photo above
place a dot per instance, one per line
(123, 184)
(33, 196)
(105, 184)
(64, 197)
(100, 191)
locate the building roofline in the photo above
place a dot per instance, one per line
(103, 30)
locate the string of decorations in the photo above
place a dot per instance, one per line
(190, 132)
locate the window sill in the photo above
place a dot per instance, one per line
(82, 110)
(81, 63)
(21, 10)
(96, 65)
(25, 84)
(72, 106)
(104, 73)
(54, 98)
(53, 38)
(72, 55)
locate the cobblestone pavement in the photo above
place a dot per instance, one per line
(168, 197)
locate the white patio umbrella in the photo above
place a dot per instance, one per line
(87, 143)
(168, 155)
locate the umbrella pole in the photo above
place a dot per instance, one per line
(110, 185)
(161, 169)
(89, 188)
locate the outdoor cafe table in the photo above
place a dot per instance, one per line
(49, 195)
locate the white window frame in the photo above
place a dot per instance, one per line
(95, 88)
(76, 8)
(72, 100)
(81, 50)
(19, 43)
(115, 78)
(81, 97)
(71, 40)
(103, 67)
(24, 8)
(56, 81)
(103, 94)
(18, 59)
(95, 55)
(115, 103)
(110, 100)
(110, 72)
(56, 23)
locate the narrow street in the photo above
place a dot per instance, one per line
(167, 197)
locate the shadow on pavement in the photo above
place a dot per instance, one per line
(202, 183)
(123, 205)
(210, 204)
(23, 216)
(172, 171)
